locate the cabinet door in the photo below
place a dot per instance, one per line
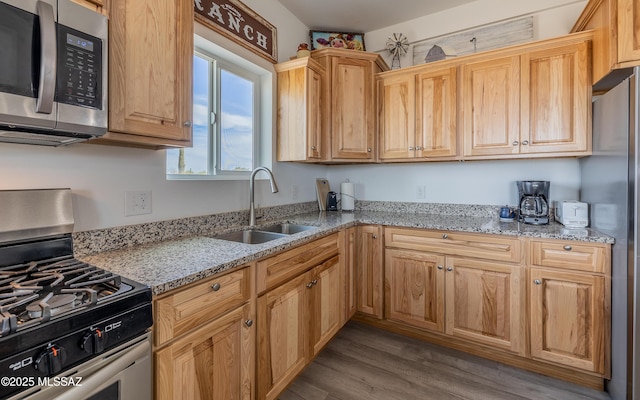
(414, 288)
(491, 106)
(352, 109)
(348, 254)
(150, 70)
(628, 27)
(397, 116)
(370, 284)
(436, 114)
(300, 110)
(568, 324)
(214, 362)
(283, 335)
(485, 302)
(328, 302)
(556, 100)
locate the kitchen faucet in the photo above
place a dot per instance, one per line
(274, 189)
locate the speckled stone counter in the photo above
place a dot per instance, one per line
(170, 264)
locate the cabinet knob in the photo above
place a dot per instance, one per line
(445, 236)
(418, 148)
(313, 147)
(215, 287)
(314, 282)
(449, 269)
(411, 148)
(567, 247)
(515, 143)
(187, 124)
(537, 282)
(248, 322)
(440, 267)
(525, 142)
(310, 285)
(374, 236)
(369, 150)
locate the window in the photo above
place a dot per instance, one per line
(226, 122)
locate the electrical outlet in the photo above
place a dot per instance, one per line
(294, 192)
(137, 202)
(420, 194)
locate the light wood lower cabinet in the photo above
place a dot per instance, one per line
(369, 279)
(484, 300)
(547, 301)
(568, 318)
(204, 339)
(414, 288)
(215, 361)
(297, 318)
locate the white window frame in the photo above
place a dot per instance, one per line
(262, 136)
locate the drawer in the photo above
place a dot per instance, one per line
(492, 247)
(189, 308)
(280, 268)
(569, 254)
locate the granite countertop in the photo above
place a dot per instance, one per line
(170, 264)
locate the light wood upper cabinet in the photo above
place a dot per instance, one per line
(417, 114)
(556, 100)
(616, 44)
(352, 109)
(301, 112)
(535, 102)
(150, 72)
(491, 106)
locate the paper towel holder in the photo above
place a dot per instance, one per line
(347, 196)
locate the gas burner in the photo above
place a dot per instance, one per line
(51, 305)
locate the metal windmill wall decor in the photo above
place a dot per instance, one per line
(397, 44)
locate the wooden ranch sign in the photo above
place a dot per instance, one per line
(236, 21)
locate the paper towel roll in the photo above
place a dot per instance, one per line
(347, 196)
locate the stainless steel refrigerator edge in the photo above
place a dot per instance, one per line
(610, 184)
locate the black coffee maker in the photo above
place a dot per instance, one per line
(533, 202)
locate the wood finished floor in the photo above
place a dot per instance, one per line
(366, 363)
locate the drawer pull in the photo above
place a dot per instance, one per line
(215, 287)
(449, 269)
(440, 267)
(567, 247)
(537, 282)
(248, 323)
(445, 236)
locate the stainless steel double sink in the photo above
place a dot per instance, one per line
(264, 234)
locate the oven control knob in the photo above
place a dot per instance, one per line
(93, 342)
(51, 360)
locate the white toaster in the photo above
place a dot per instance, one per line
(572, 214)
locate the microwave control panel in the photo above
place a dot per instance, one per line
(79, 76)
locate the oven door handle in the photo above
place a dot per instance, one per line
(48, 58)
(94, 381)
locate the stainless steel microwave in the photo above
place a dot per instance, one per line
(53, 72)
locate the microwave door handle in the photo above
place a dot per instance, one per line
(48, 58)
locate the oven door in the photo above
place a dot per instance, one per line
(120, 374)
(28, 63)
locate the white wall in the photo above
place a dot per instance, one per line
(472, 182)
(99, 175)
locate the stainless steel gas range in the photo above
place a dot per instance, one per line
(67, 329)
